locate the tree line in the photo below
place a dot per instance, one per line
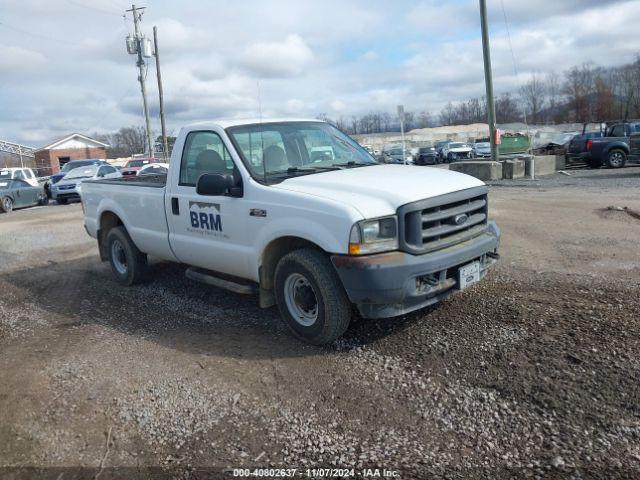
(582, 93)
(129, 141)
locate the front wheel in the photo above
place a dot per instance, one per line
(310, 297)
(616, 158)
(129, 265)
(43, 199)
(6, 204)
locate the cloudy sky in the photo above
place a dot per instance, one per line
(64, 68)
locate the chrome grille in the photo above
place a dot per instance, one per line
(443, 221)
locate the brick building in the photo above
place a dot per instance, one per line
(71, 147)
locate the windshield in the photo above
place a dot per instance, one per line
(83, 172)
(73, 165)
(136, 163)
(294, 148)
(456, 145)
(483, 145)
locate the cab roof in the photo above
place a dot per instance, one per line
(235, 122)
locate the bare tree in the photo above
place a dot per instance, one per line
(553, 91)
(578, 87)
(533, 96)
(507, 109)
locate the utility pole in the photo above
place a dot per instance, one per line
(488, 79)
(401, 115)
(165, 145)
(139, 48)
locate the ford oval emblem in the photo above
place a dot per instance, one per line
(460, 219)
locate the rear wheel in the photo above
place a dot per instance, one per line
(310, 297)
(129, 265)
(6, 204)
(616, 158)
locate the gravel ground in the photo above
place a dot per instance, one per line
(532, 373)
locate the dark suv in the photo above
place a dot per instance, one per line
(426, 156)
(620, 143)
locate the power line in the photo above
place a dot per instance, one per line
(515, 67)
(91, 7)
(37, 35)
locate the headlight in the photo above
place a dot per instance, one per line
(371, 236)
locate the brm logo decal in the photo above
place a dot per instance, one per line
(205, 219)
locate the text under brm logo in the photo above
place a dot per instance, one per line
(205, 216)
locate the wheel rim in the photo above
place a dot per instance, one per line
(615, 159)
(7, 204)
(119, 257)
(301, 299)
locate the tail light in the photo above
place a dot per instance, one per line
(589, 144)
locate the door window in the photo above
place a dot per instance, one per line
(19, 175)
(204, 152)
(617, 131)
(20, 184)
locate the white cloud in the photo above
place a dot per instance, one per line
(294, 106)
(68, 71)
(287, 58)
(19, 60)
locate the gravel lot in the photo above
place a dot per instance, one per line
(534, 372)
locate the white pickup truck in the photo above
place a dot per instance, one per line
(252, 207)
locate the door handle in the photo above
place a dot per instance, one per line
(175, 207)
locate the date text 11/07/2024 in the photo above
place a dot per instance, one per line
(314, 472)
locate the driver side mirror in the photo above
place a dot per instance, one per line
(216, 184)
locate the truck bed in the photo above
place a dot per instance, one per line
(154, 181)
(139, 202)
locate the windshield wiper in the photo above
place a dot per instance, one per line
(351, 163)
(301, 170)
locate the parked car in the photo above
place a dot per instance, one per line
(615, 148)
(482, 150)
(576, 148)
(17, 193)
(395, 156)
(426, 156)
(154, 169)
(67, 167)
(456, 151)
(132, 166)
(19, 173)
(69, 187)
(313, 238)
(439, 146)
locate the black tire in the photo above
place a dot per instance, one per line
(62, 201)
(129, 265)
(616, 158)
(333, 309)
(6, 204)
(43, 200)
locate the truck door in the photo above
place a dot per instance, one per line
(207, 231)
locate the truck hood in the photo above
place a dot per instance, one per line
(379, 190)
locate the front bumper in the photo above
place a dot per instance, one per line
(69, 194)
(394, 283)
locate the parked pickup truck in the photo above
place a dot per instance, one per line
(247, 209)
(619, 144)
